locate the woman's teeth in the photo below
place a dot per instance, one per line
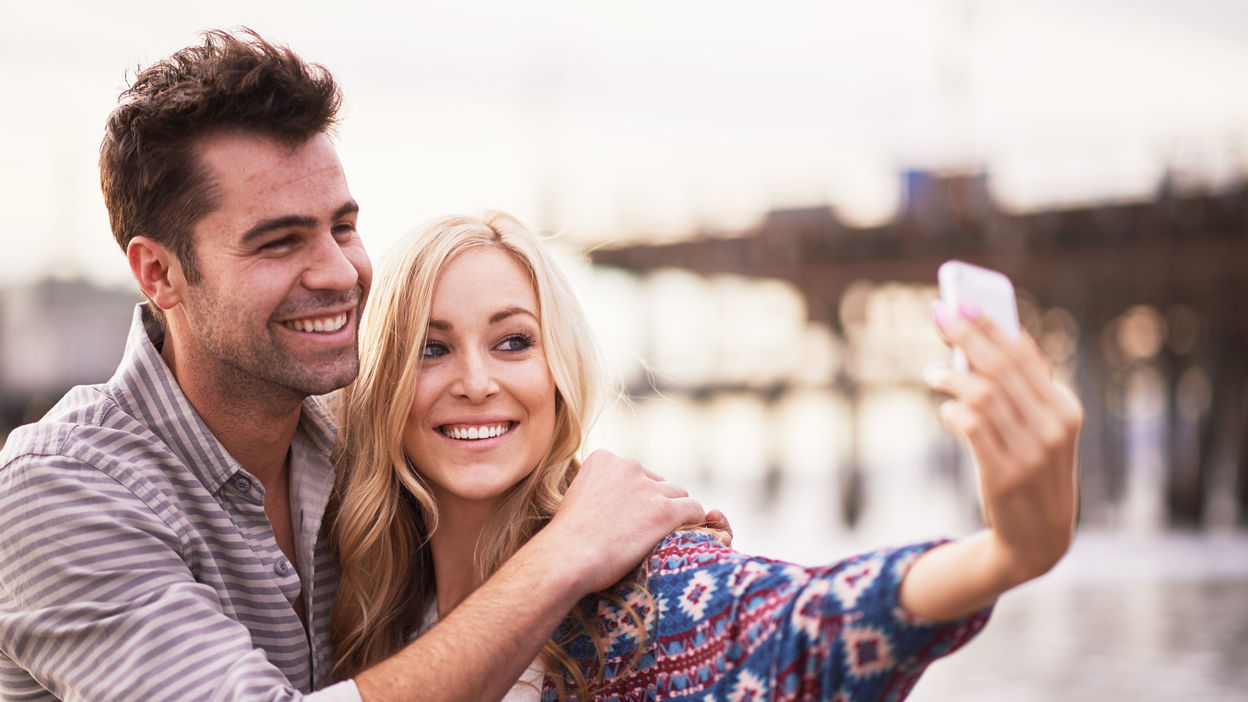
(323, 324)
(475, 433)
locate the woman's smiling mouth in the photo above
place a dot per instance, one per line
(475, 432)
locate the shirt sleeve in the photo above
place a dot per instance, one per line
(736, 627)
(97, 603)
(345, 691)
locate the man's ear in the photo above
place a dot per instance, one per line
(157, 270)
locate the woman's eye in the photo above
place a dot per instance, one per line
(515, 342)
(433, 350)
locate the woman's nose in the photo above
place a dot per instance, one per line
(476, 382)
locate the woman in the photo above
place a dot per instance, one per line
(478, 381)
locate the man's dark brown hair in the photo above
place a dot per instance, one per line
(154, 184)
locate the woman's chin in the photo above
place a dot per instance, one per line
(473, 495)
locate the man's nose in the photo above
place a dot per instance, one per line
(329, 267)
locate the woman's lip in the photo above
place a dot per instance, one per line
(475, 420)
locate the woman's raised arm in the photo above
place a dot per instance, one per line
(1022, 428)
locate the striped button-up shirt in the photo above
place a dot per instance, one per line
(136, 559)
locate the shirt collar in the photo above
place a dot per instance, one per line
(146, 389)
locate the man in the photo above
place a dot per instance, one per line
(162, 532)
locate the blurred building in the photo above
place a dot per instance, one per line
(1141, 305)
(54, 335)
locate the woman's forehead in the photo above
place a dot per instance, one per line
(483, 277)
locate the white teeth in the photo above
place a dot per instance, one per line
(475, 433)
(324, 324)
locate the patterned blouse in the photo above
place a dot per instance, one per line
(736, 627)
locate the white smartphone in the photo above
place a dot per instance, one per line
(990, 291)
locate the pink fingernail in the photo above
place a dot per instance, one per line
(968, 310)
(941, 314)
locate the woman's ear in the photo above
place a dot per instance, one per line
(157, 271)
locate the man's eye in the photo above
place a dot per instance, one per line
(344, 230)
(278, 244)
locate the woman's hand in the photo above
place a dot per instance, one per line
(1023, 430)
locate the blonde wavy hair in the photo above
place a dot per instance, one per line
(382, 513)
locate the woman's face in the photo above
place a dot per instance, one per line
(484, 412)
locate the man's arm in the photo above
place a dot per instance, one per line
(612, 516)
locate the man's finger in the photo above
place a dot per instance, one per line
(717, 520)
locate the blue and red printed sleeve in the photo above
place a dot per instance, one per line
(737, 627)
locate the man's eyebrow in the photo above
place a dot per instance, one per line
(293, 222)
(349, 207)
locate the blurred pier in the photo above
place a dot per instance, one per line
(1144, 305)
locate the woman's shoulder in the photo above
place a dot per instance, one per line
(685, 548)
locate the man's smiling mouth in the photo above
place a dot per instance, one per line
(324, 325)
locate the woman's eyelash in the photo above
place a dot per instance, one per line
(512, 343)
(521, 342)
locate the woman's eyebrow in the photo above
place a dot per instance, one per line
(443, 325)
(508, 312)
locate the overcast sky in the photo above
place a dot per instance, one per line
(612, 121)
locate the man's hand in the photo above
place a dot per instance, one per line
(613, 515)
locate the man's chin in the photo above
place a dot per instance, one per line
(321, 373)
(327, 383)
(342, 377)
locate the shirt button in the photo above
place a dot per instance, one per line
(242, 483)
(282, 566)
